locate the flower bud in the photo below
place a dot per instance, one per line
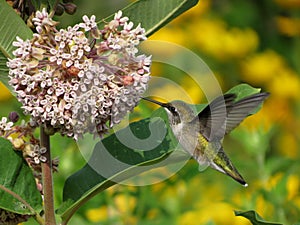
(70, 8)
(13, 116)
(60, 9)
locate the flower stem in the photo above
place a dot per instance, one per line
(47, 180)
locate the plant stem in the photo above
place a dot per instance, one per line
(54, 8)
(47, 180)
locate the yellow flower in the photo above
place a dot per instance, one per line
(288, 145)
(171, 34)
(152, 214)
(288, 26)
(297, 201)
(288, 3)
(196, 12)
(125, 203)
(258, 70)
(97, 214)
(263, 207)
(5, 94)
(261, 120)
(239, 43)
(207, 33)
(293, 186)
(170, 92)
(216, 39)
(218, 212)
(283, 115)
(190, 218)
(273, 181)
(285, 84)
(192, 88)
(158, 188)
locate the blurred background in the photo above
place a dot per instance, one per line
(255, 42)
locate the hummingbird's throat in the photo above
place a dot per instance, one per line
(175, 118)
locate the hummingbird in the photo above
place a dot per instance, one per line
(201, 134)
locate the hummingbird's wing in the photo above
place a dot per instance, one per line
(213, 117)
(223, 114)
(237, 112)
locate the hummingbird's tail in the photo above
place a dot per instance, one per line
(222, 163)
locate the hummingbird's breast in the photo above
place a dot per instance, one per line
(186, 135)
(177, 129)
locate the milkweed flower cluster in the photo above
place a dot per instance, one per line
(80, 79)
(22, 138)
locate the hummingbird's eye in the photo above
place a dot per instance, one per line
(175, 115)
(172, 109)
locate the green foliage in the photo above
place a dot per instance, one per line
(154, 14)
(17, 185)
(243, 90)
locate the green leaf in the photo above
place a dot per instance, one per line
(9, 21)
(243, 90)
(87, 182)
(254, 218)
(154, 14)
(3, 70)
(17, 184)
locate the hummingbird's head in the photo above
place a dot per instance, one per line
(177, 111)
(182, 122)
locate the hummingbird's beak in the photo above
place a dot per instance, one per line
(155, 102)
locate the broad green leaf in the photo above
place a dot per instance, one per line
(88, 182)
(254, 218)
(243, 90)
(126, 162)
(154, 14)
(17, 185)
